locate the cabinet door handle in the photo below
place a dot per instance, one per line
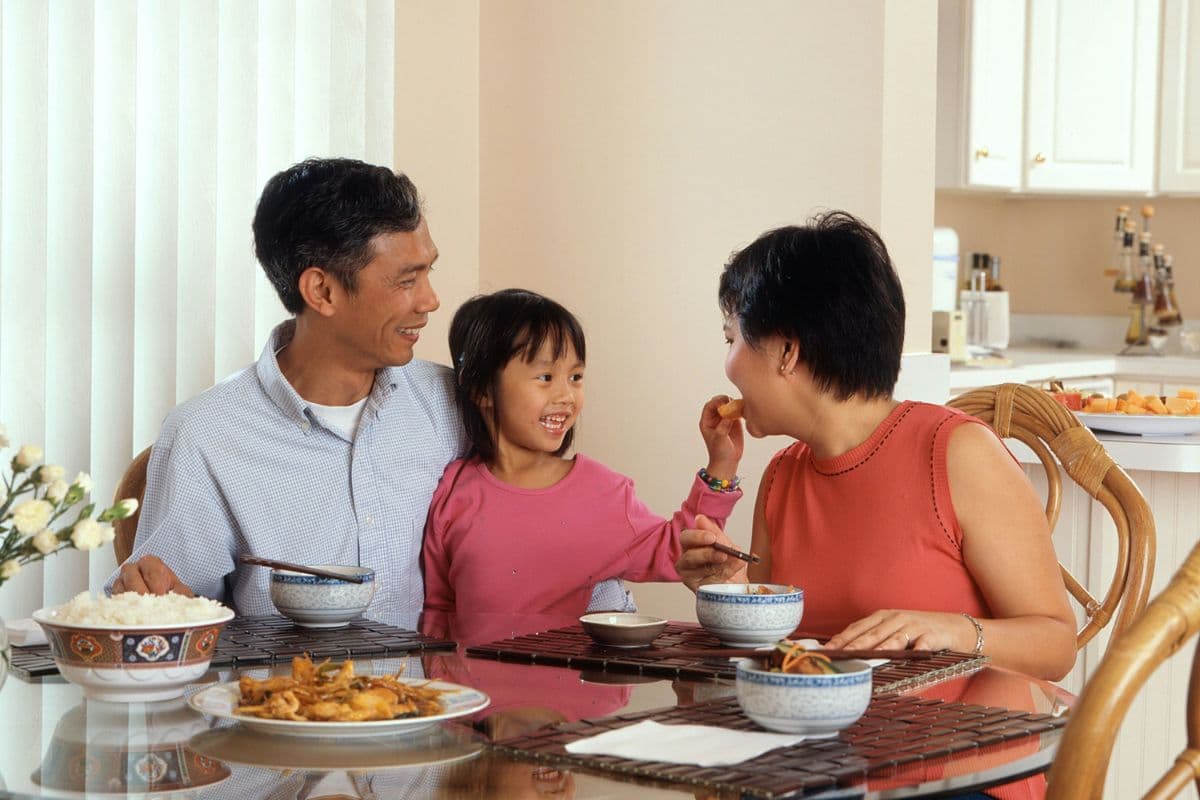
(1039, 159)
(982, 152)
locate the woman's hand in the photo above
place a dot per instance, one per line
(891, 629)
(723, 438)
(699, 563)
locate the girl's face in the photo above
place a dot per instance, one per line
(538, 401)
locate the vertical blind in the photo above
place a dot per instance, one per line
(135, 136)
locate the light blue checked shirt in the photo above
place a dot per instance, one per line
(249, 467)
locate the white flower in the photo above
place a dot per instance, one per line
(87, 534)
(28, 455)
(45, 541)
(3, 437)
(9, 568)
(127, 507)
(56, 491)
(107, 534)
(49, 473)
(31, 516)
(83, 481)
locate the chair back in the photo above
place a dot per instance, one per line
(1055, 435)
(133, 484)
(1168, 623)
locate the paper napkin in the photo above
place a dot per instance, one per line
(24, 632)
(705, 745)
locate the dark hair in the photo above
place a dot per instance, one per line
(490, 330)
(831, 287)
(326, 212)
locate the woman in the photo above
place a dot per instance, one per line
(907, 524)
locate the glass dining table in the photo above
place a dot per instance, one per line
(54, 742)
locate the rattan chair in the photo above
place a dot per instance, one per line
(133, 484)
(1046, 427)
(1173, 618)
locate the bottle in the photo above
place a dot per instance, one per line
(993, 279)
(1143, 291)
(1123, 281)
(1170, 315)
(1128, 277)
(980, 264)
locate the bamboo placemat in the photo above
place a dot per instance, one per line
(572, 647)
(896, 731)
(254, 641)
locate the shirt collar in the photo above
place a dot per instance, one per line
(295, 407)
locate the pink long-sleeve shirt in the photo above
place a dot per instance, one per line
(494, 547)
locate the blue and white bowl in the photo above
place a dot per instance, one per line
(813, 705)
(741, 617)
(315, 602)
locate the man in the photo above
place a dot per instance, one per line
(328, 449)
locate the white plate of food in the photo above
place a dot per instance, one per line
(1142, 424)
(222, 701)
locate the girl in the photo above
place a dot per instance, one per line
(517, 525)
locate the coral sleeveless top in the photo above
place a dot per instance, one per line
(873, 528)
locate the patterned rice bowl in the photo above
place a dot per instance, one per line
(131, 663)
(315, 602)
(813, 705)
(749, 614)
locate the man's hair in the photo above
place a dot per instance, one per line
(830, 286)
(326, 212)
(490, 330)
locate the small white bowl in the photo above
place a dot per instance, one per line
(813, 705)
(314, 602)
(622, 629)
(740, 617)
(131, 663)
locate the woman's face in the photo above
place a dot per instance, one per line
(755, 371)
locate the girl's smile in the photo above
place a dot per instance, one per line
(537, 401)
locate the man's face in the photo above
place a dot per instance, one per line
(380, 323)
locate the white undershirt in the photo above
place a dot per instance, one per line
(342, 419)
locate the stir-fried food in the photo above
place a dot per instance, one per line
(790, 656)
(333, 693)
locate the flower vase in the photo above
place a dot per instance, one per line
(5, 653)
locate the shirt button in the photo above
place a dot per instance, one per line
(304, 426)
(370, 520)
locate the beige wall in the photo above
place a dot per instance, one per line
(1054, 250)
(627, 147)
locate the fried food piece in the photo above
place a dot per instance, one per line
(333, 693)
(731, 410)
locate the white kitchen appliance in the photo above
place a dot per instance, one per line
(945, 269)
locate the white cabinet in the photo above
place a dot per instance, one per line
(1179, 161)
(1090, 112)
(981, 71)
(1050, 95)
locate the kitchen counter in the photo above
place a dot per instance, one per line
(1031, 366)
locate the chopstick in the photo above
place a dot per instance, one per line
(320, 573)
(749, 558)
(734, 652)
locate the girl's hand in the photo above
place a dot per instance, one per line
(699, 564)
(723, 438)
(891, 629)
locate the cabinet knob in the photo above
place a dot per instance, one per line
(982, 152)
(1039, 159)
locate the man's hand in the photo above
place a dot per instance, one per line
(699, 563)
(149, 575)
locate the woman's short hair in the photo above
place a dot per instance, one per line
(326, 212)
(487, 332)
(831, 287)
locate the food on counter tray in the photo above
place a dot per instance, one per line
(731, 410)
(1071, 398)
(1184, 404)
(333, 693)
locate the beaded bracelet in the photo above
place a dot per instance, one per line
(978, 632)
(719, 484)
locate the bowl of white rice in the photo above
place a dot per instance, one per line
(133, 647)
